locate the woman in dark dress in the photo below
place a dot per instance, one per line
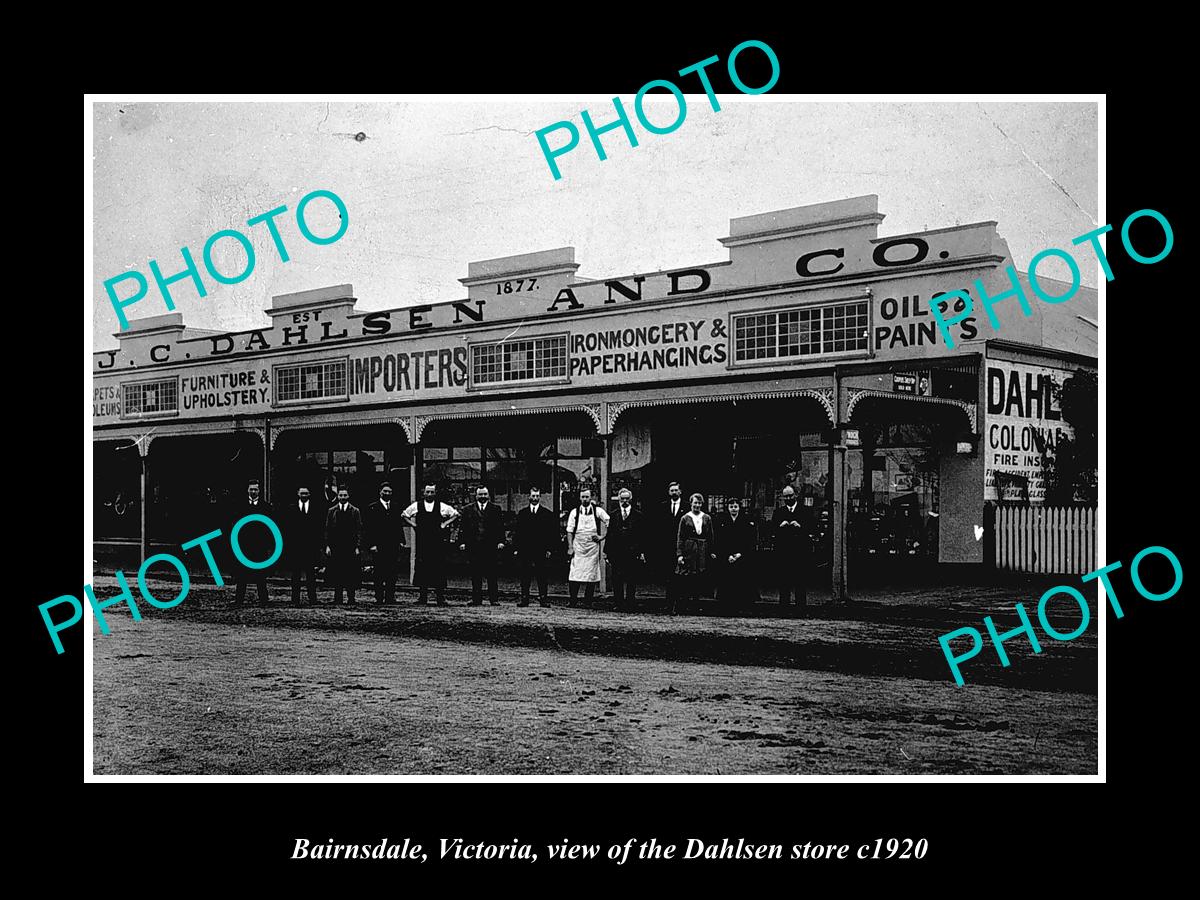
(695, 549)
(737, 539)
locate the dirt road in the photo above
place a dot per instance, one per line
(179, 696)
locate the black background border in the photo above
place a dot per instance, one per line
(216, 832)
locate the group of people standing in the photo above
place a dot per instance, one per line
(677, 542)
(696, 550)
(335, 526)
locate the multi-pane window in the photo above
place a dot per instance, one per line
(149, 398)
(530, 359)
(801, 332)
(844, 327)
(311, 381)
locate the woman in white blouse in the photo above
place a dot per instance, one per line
(695, 547)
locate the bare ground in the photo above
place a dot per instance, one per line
(250, 693)
(893, 638)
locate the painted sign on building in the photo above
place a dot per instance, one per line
(699, 339)
(1024, 425)
(803, 289)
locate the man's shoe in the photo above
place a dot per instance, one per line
(442, 603)
(476, 603)
(522, 603)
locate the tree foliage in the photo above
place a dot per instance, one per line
(1071, 473)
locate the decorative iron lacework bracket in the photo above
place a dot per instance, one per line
(593, 410)
(823, 396)
(854, 395)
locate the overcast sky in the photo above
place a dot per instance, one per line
(437, 184)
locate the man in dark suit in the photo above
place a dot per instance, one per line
(672, 511)
(385, 537)
(343, 530)
(625, 549)
(482, 537)
(256, 543)
(737, 539)
(534, 539)
(302, 529)
(790, 528)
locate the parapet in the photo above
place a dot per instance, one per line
(318, 298)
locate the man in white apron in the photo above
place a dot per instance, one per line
(586, 527)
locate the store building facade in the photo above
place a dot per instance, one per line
(808, 357)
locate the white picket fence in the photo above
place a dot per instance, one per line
(1046, 539)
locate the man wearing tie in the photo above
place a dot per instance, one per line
(482, 537)
(673, 510)
(385, 537)
(302, 544)
(789, 530)
(624, 549)
(343, 526)
(253, 545)
(534, 539)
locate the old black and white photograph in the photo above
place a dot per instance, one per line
(685, 434)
